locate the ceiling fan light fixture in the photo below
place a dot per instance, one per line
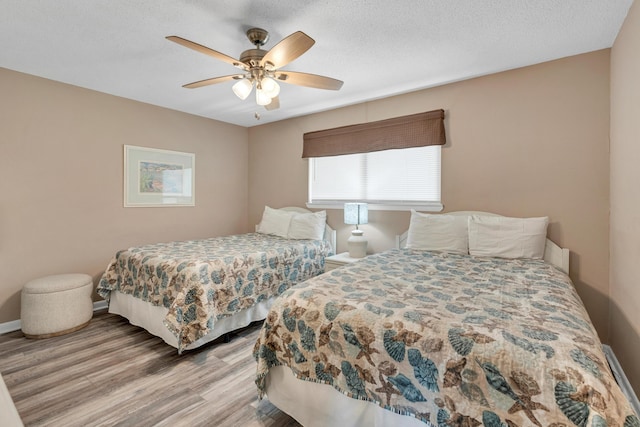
(270, 87)
(262, 98)
(242, 88)
(262, 67)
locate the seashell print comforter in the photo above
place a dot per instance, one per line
(201, 281)
(450, 339)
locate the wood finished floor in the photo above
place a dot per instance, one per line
(114, 374)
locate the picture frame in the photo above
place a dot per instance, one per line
(154, 177)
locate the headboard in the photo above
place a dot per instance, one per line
(553, 254)
(329, 233)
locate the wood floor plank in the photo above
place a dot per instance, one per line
(57, 382)
(93, 335)
(83, 360)
(114, 374)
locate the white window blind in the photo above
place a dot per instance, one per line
(395, 179)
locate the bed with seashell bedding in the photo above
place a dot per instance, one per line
(192, 292)
(474, 322)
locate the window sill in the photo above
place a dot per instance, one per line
(423, 207)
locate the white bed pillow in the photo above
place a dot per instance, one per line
(308, 225)
(275, 222)
(504, 237)
(440, 232)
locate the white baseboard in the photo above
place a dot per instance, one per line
(14, 325)
(6, 327)
(100, 305)
(621, 378)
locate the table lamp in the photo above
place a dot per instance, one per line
(356, 214)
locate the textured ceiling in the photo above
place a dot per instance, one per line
(378, 48)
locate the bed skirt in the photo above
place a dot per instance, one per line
(151, 317)
(282, 386)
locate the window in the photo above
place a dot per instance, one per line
(391, 179)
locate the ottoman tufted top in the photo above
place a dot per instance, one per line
(57, 283)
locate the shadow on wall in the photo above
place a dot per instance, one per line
(10, 303)
(619, 333)
(96, 279)
(596, 303)
(625, 343)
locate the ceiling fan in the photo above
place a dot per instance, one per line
(262, 67)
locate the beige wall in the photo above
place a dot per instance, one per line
(624, 327)
(61, 180)
(527, 142)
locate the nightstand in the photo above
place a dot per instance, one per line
(336, 261)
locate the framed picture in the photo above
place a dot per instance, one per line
(158, 177)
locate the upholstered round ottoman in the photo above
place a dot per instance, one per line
(56, 305)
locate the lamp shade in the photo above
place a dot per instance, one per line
(242, 88)
(262, 98)
(270, 87)
(356, 213)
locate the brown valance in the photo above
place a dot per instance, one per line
(416, 130)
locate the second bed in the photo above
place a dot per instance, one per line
(192, 292)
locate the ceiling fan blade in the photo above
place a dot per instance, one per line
(288, 49)
(273, 105)
(207, 51)
(309, 80)
(213, 81)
